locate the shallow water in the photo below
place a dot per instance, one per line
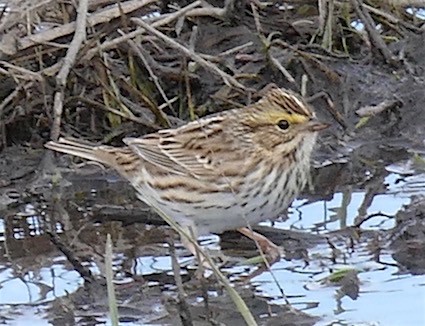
(33, 273)
(330, 215)
(387, 296)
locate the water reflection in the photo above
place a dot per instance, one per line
(34, 271)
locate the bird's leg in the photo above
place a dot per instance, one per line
(270, 250)
(188, 244)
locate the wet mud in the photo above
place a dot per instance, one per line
(353, 241)
(340, 242)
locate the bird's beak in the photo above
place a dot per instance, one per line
(316, 125)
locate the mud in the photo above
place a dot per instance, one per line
(353, 242)
(83, 206)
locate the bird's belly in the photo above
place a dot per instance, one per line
(216, 212)
(252, 205)
(221, 215)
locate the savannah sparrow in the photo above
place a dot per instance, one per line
(222, 172)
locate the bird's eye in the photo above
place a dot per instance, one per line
(283, 124)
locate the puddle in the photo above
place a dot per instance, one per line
(343, 209)
(50, 283)
(33, 273)
(385, 298)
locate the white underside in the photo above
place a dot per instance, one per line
(214, 220)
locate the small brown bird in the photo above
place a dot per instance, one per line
(222, 172)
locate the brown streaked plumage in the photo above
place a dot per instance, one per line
(222, 172)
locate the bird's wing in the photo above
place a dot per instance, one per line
(185, 150)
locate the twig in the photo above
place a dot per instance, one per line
(326, 18)
(391, 18)
(193, 38)
(370, 110)
(183, 306)
(68, 61)
(3, 104)
(164, 21)
(84, 272)
(317, 62)
(17, 12)
(112, 300)
(282, 69)
(275, 62)
(209, 10)
(190, 104)
(321, 7)
(228, 80)
(95, 19)
(372, 189)
(375, 38)
(97, 105)
(139, 53)
(236, 49)
(404, 3)
(12, 95)
(256, 19)
(359, 220)
(304, 81)
(330, 107)
(25, 73)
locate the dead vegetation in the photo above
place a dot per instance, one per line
(103, 69)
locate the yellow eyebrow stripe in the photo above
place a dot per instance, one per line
(297, 118)
(291, 118)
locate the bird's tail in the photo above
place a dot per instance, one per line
(101, 154)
